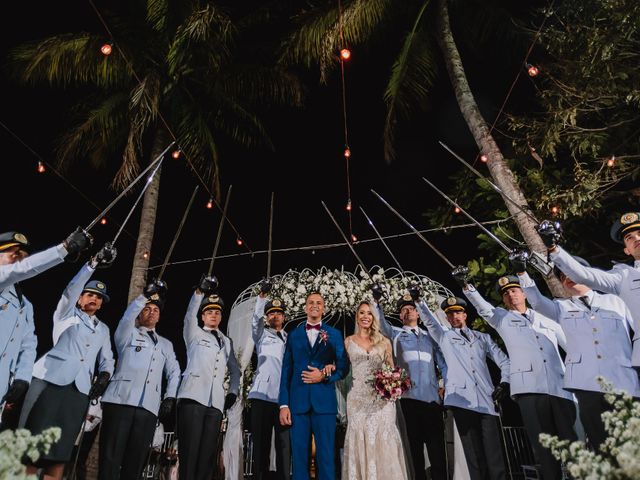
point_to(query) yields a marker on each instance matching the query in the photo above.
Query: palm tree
(172, 61)
(323, 31)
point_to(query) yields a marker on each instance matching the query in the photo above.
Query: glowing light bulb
(532, 70)
(456, 210)
(611, 162)
(103, 221)
(555, 210)
(239, 241)
(347, 153)
(345, 53)
(484, 158)
(145, 255)
(106, 49)
(210, 204)
(354, 238)
(176, 153)
(41, 168)
(349, 205)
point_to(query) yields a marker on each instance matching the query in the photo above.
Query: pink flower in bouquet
(390, 383)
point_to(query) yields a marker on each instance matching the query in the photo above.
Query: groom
(308, 396)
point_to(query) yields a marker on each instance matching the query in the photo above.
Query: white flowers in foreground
(619, 456)
(15, 445)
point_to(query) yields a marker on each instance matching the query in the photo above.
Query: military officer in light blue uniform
(62, 385)
(131, 403)
(537, 371)
(416, 351)
(17, 336)
(201, 396)
(598, 345)
(469, 390)
(622, 280)
(270, 344)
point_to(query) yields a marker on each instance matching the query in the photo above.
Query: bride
(373, 448)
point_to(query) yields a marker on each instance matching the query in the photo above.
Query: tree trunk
(147, 222)
(500, 171)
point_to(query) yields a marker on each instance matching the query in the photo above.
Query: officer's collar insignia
(276, 303)
(406, 297)
(451, 301)
(100, 285)
(628, 218)
(18, 237)
(502, 281)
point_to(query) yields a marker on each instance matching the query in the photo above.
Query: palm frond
(261, 85)
(68, 59)
(157, 14)
(412, 75)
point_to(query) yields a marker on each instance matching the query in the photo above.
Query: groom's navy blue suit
(313, 406)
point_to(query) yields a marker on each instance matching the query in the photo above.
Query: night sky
(306, 167)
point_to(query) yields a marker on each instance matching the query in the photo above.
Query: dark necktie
(415, 331)
(585, 299)
(464, 335)
(279, 333)
(215, 334)
(525, 315)
(152, 334)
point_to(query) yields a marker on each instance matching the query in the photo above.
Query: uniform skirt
(48, 405)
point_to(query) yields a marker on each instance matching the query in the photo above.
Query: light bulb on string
(354, 238)
(106, 49)
(210, 203)
(145, 255)
(41, 168)
(176, 153)
(484, 158)
(555, 209)
(456, 210)
(348, 207)
(103, 221)
(239, 241)
(345, 54)
(532, 70)
(611, 162)
(347, 152)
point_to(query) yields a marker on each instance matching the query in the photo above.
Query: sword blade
(482, 227)
(219, 235)
(177, 235)
(129, 187)
(382, 240)
(270, 237)
(491, 184)
(414, 230)
(344, 236)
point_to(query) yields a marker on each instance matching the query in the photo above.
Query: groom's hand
(285, 416)
(313, 375)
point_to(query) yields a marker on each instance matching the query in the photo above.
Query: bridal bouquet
(390, 383)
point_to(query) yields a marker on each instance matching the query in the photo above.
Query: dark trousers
(126, 434)
(83, 451)
(425, 426)
(198, 433)
(591, 406)
(265, 418)
(480, 435)
(547, 414)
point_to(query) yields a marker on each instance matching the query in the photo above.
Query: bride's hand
(328, 369)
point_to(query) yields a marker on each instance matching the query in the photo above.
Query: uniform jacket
(203, 379)
(536, 365)
(320, 397)
(623, 280)
(270, 350)
(78, 341)
(17, 339)
(137, 380)
(418, 355)
(598, 342)
(468, 382)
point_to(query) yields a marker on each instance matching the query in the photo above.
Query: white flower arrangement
(343, 291)
(14, 445)
(619, 456)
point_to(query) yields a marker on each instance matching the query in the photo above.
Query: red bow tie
(312, 327)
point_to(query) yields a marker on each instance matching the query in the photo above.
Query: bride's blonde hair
(375, 337)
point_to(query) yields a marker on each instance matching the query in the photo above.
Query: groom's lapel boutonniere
(323, 336)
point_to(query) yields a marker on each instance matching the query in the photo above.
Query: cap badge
(502, 281)
(100, 285)
(407, 297)
(214, 298)
(276, 303)
(18, 237)
(451, 301)
(628, 218)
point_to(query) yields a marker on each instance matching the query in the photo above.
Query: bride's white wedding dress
(372, 448)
